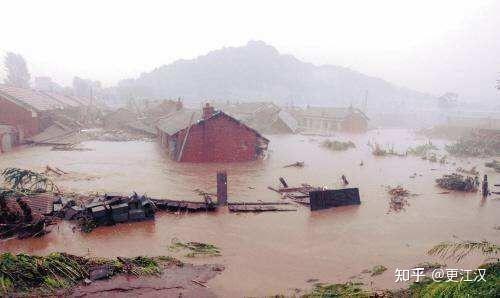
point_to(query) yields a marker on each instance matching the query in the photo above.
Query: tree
(17, 71)
(459, 250)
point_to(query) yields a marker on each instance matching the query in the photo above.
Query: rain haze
(250, 148)
(430, 46)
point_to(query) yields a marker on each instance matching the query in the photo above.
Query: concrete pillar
(221, 188)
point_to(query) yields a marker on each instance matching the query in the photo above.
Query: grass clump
(33, 275)
(379, 269)
(337, 290)
(422, 150)
(337, 145)
(23, 272)
(196, 249)
(458, 182)
(489, 288)
(140, 266)
(377, 150)
(475, 144)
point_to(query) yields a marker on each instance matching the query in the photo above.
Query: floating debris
(337, 145)
(494, 164)
(298, 164)
(399, 198)
(458, 182)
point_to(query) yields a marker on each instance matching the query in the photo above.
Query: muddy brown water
(272, 253)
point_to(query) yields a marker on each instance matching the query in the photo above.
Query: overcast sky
(430, 46)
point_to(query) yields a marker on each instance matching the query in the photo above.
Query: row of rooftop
(222, 131)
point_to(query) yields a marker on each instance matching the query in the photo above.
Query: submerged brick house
(30, 112)
(26, 110)
(211, 136)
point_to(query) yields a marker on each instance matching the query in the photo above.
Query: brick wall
(220, 139)
(19, 117)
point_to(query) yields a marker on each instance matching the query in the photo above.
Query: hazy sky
(430, 46)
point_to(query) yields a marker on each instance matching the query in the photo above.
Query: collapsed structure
(211, 136)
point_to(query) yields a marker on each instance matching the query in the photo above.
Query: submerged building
(209, 136)
(324, 120)
(30, 112)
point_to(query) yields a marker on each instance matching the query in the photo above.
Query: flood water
(274, 252)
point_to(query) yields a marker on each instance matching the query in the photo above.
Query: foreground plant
(459, 250)
(30, 274)
(23, 180)
(338, 290)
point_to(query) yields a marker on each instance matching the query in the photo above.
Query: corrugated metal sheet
(29, 97)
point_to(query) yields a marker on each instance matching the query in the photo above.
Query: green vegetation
(422, 150)
(427, 287)
(475, 144)
(337, 290)
(24, 273)
(489, 288)
(459, 250)
(379, 269)
(196, 249)
(457, 182)
(337, 145)
(377, 150)
(494, 164)
(26, 180)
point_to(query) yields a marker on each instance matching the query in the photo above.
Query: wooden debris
(298, 164)
(399, 198)
(472, 171)
(299, 195)
(199, 283)
(193, 206)
(259, 207)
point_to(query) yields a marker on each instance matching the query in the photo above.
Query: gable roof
(181, 119)
(62, 99)
(29, 98)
